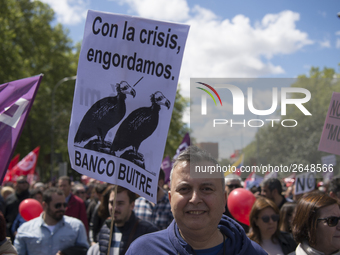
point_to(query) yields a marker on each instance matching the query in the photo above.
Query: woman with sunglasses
(264, 218)
(316, 225)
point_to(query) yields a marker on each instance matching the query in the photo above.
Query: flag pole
(112, 220)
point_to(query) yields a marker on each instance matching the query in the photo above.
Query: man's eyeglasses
(80, 192)
(331, 221)
(274, 217)
(233, 186)
(58, 205)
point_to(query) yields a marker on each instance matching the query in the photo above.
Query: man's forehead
(181, 173)
(56, 196)
(233, 181)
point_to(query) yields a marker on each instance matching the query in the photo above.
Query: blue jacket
(168, 241)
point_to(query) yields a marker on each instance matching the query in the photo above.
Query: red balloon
(30, 209)
(240, 201)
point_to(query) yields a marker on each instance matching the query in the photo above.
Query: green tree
(30, 45)
(299, 145)
(177, 128)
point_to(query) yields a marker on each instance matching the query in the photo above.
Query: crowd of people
(190, 217)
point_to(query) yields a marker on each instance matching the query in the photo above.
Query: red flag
(26, 166)
(16, 99)
(13, 162)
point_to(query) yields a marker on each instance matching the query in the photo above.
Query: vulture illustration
(138, 126)
(104, 114)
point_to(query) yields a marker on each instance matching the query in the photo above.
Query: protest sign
(16, 99)
(304, 183)
(330, 139)
(125, 91)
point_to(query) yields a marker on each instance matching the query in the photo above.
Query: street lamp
(52, 117)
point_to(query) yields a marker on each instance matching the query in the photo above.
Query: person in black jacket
(127, 227)
(13, 201)
(264, 228)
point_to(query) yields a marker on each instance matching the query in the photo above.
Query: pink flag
(16, 99)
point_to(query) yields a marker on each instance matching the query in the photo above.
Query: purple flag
(16, 99)
(166, 166)
(184, 144)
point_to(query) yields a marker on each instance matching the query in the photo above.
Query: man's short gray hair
(193, 154)
(232, 177)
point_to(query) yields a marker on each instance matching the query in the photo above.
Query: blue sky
(233, 39)
(246, 38)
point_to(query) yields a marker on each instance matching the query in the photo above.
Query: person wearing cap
(13, 201)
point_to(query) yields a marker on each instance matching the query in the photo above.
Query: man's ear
(333, 195)
(275, 192)
(225, 198)
(132, 205)
(169, 195)
(44, 205)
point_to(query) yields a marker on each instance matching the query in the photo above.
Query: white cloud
(69, 12)
(338, 43)
(322, 13)
(325, 44)
(216, 47)
(235, 48)
(175, 10)
(337, 32)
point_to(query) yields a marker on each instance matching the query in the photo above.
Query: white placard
(304, 183)
(125, 92)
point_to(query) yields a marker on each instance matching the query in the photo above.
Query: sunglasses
(274, 217)
(233, 186)
(80, 192)
(22, 182)
(58, 205)
(331, 221)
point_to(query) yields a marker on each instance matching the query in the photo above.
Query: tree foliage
(299, 145)
(30, 45)
(177, 128)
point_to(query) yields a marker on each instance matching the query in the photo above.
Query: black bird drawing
(104, 114)
(138, 126)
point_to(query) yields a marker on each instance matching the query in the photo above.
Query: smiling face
(267, 229)
(196, 204)
(328, 238)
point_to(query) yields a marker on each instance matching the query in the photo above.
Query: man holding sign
(197, 205)
(127, 227)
